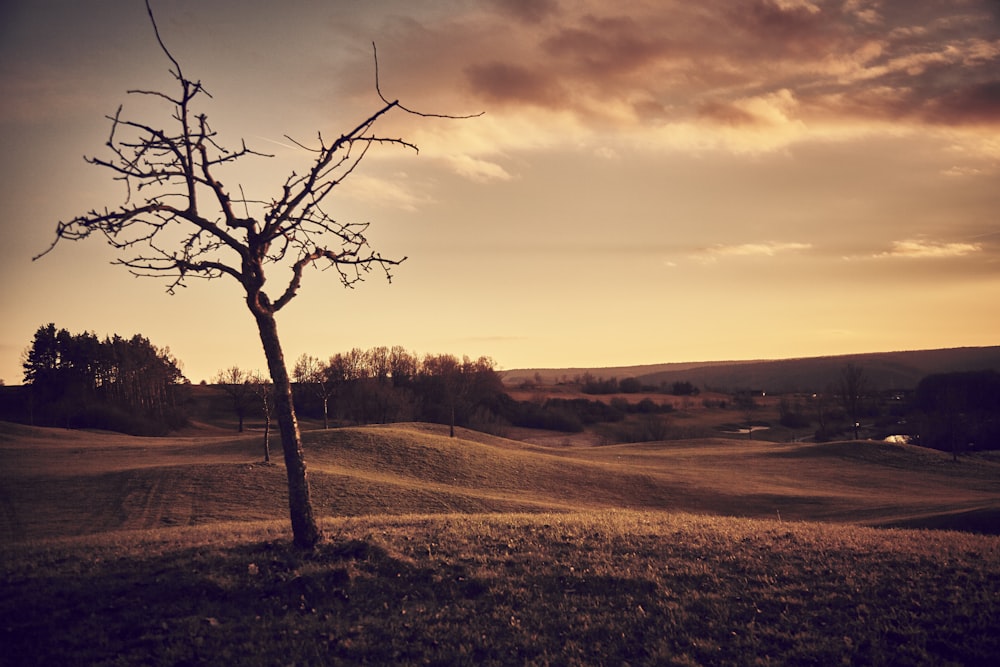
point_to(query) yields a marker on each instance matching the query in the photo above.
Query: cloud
(768, 249)
(477, 170)
(972, 104)
(393, 193)
(962, 171)
(601, 47)
(509, 83)
(528, 11)
(917, 249)
(752, 76)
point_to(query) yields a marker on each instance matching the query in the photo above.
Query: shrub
(684, 388)
(630, 386)
(589, 412)
(647, 428)
(791, 414)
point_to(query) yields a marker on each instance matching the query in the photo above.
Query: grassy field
(482, 550)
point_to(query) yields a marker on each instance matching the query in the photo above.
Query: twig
(378, 89)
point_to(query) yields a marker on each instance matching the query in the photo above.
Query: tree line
(383, 385)
(391, 384)
(115, 383)
(631, 385)
(958, 412)
(130, 385)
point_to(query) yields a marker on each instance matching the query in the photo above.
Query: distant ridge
(885, 370)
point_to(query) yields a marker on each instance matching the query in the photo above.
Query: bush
(104, 416)
(486, 421)
(588, 412)
(528, 414)
(599, 386)
(684, 388)
(647, 428)
(791, 414)
(630, 386)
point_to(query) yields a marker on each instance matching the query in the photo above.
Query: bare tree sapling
(262, 387)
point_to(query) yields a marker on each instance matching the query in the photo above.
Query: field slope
(481, 550)
(57, 483)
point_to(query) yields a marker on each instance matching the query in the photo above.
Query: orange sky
(651, 181)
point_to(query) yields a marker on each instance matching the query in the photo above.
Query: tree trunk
(304, 529)
(267, 438)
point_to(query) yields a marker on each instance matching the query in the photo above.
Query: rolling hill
(488, 551)
(63, 483)
(885, 370)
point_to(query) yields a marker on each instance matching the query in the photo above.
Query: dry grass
(480, 550)
(60, 483)
(583, 588)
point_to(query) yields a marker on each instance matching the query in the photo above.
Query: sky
(648, 182)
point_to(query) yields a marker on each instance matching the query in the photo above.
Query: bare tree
(237, 384)
(820, 402)
(313, 373)
(443, 374)
(188, 224)
(851, 391)
(262, 387)
(744, 401)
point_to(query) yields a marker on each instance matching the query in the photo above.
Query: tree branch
(378, 89)
(337, 261)
(173, 167)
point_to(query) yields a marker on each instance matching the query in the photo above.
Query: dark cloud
(770, 22)
(978, 103)
(605, 46)
(509, 83)
(727, 114)
(528, 11)
(882, 60)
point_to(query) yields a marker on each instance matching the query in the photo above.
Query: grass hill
(484, 550)
(63, 483)
(885, 370)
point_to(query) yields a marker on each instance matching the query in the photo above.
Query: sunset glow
(649, 181)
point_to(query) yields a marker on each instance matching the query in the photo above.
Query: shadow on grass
(500, 591)
(267, 603)
(256, 603)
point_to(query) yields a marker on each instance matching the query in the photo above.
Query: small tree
(851, 391)
(238, 385)
(745, 403)
(191, 225)
(442, 380)
(312, 373)
(262, 388)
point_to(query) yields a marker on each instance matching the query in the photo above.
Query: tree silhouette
(188, 224)
(237, 383)
(262, 388)
(315, 374)
(851, 391)
(117, 383)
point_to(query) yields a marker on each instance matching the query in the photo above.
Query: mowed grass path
(480, 550)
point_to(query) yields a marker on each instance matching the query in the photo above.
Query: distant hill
(885, 370)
